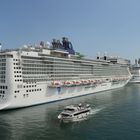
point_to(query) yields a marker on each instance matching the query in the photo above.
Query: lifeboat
(92, 81)
(89, 80)
(74, 82)
(95, 81)
(56, 84)
(77, 82)
(98, 81)
(67, 83)
(85, 82)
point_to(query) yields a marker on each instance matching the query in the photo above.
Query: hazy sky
(93, 26)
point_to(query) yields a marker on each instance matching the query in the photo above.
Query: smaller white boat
(74, 113)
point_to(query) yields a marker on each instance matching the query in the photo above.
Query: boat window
(65, 115)
(69, 109)
(81, 112)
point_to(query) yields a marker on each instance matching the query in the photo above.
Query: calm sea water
(116, 116)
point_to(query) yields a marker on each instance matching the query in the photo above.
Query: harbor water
(115, 116)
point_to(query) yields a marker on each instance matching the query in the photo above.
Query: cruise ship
(135, 71)
(37, 74)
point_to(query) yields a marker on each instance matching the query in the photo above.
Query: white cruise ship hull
(53, 94)
(36, 75)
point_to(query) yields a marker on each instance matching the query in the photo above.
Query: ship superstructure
(45, 73)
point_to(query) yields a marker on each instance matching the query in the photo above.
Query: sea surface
(115, 116)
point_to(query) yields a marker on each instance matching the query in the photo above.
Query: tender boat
(75, 113)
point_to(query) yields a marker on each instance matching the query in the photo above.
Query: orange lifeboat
(89, 80)
(77, 82)
(92, 81)
(67, 83)
(85, 82)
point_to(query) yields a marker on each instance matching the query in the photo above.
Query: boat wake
(96, 110)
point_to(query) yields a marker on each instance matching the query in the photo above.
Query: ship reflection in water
(116, 116)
